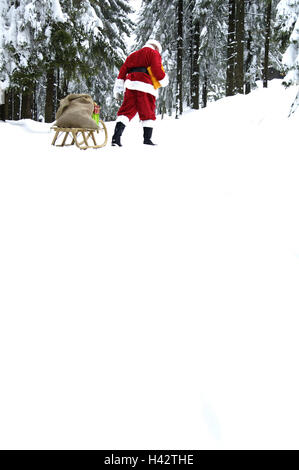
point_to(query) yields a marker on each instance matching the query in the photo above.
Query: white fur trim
(124, 119)
(119, 83)
(150, 46)
(164, 81)
(141, 86)
(156, 44)
(148, 123)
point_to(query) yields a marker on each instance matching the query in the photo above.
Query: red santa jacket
(141, 81)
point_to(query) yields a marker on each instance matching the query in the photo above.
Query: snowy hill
(149, 296)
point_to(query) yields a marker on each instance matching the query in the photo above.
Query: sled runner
(84, 138)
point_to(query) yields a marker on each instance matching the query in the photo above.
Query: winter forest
(211, 49)
(149, 293)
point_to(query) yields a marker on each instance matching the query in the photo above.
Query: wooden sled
(84, 138)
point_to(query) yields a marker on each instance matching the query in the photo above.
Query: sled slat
(87, 137)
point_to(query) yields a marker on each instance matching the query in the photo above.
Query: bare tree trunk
(61, 88)
(231, 42)
(16, 104)
(34, 104)
(50, 96)
(195, 70)
(248, 63)
(205, 91)
(27, 105)
(179, 91)
(2, 112)
(190, 49)
(239, 72)
(267, 43)
(8, 104)
(295, 104)
(65, 87)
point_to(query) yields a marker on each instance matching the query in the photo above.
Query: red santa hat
(154, 44)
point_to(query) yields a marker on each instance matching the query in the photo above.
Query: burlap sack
(76, 111)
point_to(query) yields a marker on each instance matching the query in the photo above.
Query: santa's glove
(164, 81)
(118, 89)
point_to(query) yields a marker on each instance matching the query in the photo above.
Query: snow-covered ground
(149, 295)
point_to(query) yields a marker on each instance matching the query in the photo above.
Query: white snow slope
(149, 295)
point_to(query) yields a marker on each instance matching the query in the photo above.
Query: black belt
(138, 69)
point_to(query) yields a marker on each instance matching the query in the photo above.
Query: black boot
(119, 129)
(147, 135)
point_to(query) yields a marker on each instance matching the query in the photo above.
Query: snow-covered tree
(288, 23)
(159, 20)
(50, 48)
(254, 42)
(3, 29)
(27, 35)
(106, 25)
(211, 17)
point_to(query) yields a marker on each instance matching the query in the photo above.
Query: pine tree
(98, 32)
(212, 53)
(53, 47)
(287, 21)
(251, 48)
(50, 48)
(267, 42)
(3, 31)
(179, 78)
(159, 20)
(106, 51)
(20, 58)
(253, 43)
(27, 32)
(231, 48)
(240, 37)
(194, 40)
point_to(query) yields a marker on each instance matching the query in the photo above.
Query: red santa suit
(140, 93)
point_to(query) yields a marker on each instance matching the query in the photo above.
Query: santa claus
(139, 77)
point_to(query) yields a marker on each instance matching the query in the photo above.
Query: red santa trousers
(137, 102)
